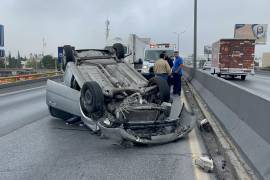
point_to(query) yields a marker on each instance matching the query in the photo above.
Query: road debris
(205, 163)
(205, 125)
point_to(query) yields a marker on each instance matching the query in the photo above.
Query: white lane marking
(21, 91)
(196, 151)
(194, 145)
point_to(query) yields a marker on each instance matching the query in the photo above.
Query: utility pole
(107, 23)
(43, 46)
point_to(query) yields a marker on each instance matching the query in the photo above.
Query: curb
(239, 166)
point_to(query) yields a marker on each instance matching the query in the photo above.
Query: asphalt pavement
(35, 145)
(259, 83)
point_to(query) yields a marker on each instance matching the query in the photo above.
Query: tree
(13, 62)
(48, 62)
(2, 63)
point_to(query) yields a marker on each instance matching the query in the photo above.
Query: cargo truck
(141, 52)
(134, 48)
(233, 57)
(137, 47)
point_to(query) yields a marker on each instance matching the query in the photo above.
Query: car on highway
(207, 65)
(112, 98)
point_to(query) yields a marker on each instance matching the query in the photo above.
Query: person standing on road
(170, 62)
(177, 73)
(162, 68)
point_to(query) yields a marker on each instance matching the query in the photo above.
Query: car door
(62, 97)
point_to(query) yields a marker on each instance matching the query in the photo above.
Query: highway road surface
(35, 145)
(258, 83)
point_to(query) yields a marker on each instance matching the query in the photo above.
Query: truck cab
(152, 53)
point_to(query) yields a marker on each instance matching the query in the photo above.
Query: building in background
(266, 60)
(2, 42)
(208, 52)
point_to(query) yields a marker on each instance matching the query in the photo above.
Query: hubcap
(88, 97)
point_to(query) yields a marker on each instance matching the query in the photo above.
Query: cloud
(82, 22)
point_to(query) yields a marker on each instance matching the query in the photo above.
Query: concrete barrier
(20, 83)
(244, 115)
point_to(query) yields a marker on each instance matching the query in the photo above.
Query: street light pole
(195, 38)
(178, 39)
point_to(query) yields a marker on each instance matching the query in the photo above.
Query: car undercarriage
(110, 96)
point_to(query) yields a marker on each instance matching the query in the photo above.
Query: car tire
(119, 50)
(243, 77)
(214, 72)
(163, 88)
(92, 99)
(59, 113)
(218, 74)
(68, 56)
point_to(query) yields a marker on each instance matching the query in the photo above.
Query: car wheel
(92, 99)
(218, 74)
(163, 88)
(243, 77)
(119, 50)
(59, 113)
(68, 56)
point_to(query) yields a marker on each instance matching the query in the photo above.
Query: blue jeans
(163, 76)
(176, 83)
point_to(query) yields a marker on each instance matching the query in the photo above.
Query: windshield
(154, 54)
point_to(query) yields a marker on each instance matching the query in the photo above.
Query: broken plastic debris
(107, 121)
(205, 163)
(205, 125)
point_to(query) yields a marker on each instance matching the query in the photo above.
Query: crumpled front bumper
(187, 123)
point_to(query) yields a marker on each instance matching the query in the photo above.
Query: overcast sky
(82, 22)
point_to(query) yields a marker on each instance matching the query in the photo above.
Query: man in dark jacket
(170, 62)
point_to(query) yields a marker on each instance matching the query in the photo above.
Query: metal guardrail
(18, 78)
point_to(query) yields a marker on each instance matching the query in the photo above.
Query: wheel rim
(88, 98)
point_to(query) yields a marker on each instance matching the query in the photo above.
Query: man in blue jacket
(177, 71)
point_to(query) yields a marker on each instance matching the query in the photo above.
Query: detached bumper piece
(151, 132)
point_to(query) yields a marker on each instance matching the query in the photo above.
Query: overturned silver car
(110, 96)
